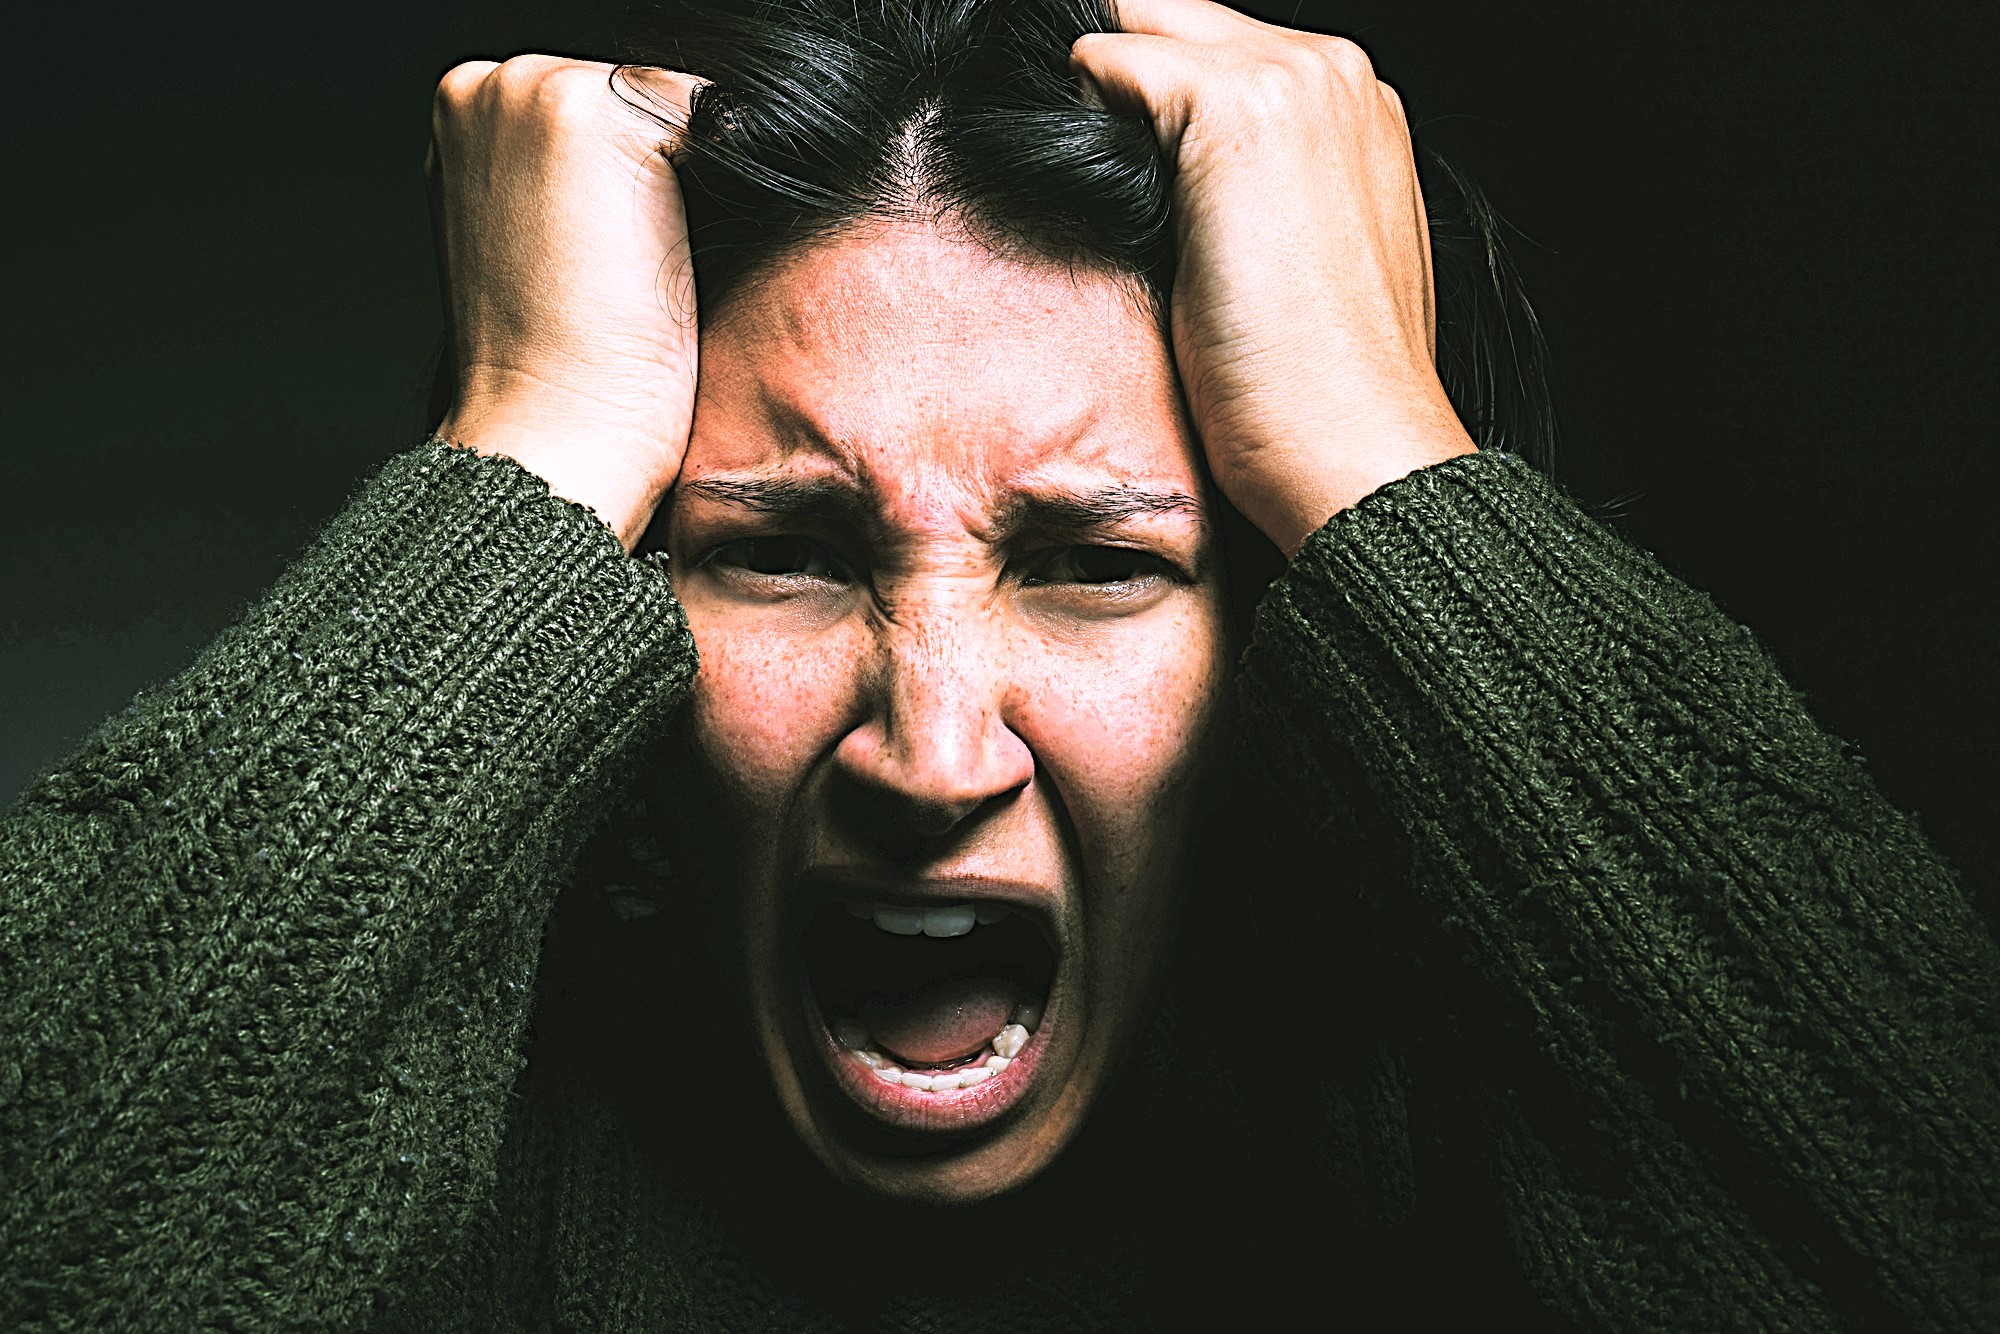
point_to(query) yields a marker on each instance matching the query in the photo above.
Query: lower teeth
(1005, 1046)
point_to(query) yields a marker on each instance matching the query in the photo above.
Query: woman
(1589, 979)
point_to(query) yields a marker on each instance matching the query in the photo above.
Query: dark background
(1760, 240)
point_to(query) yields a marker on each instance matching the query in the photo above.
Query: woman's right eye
(781, 557)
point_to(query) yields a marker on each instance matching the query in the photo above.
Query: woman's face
(944, 538)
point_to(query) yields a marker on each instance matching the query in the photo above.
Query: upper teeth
(954, 920)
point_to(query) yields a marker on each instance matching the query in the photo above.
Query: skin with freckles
(943, 536)
(941, 519)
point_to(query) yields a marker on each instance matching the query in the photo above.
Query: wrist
(614, 470)
(1297, 489)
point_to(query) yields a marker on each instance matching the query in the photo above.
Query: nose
(936, 747)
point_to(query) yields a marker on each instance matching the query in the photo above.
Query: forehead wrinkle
(868, 433)
(796, 431)
(901, 485)
(833, 394)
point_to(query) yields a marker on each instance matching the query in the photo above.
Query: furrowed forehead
(905, 339)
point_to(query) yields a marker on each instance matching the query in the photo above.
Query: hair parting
(822, 114)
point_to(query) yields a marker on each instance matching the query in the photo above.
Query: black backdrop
(1760, 239)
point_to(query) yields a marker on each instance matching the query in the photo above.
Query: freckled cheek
(1121, 724)
(1119, 719)
(768, 705)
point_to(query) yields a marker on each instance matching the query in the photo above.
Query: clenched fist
(1302, 302)
(567, 283)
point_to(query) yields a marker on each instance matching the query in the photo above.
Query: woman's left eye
(1095, 565)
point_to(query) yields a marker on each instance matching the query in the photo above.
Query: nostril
(913, 780)
(903, 823)
(935, 819)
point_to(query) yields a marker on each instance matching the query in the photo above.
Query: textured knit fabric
(270, 940)
(1761, 1015)
(1633, 991)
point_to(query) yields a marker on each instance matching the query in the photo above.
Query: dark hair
(821, 113)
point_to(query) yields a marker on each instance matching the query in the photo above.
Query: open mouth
(933, 1015)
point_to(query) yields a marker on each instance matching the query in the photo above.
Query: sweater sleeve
(1765, 1017)
(269, 939)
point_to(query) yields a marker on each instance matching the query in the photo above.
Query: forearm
(269, 938)
(1604, 789)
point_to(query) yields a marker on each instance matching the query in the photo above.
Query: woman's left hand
(1303, 318)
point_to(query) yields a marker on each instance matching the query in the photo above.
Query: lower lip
(952, 1111)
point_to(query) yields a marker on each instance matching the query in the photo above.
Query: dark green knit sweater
(1627, 976)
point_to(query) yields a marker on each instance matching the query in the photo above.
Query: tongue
(942, 1021)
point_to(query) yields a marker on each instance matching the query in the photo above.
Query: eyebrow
(1096, 507)
(1099, 507)
(773, 495)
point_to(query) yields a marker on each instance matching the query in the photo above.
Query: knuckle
(567, 90)
(1270, 89)
(518, 75)
(1395, 101)
(460, 82)
(1347, 61)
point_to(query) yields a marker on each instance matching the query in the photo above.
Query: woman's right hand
(562, 245)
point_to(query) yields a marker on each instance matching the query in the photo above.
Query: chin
(931, 1041)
